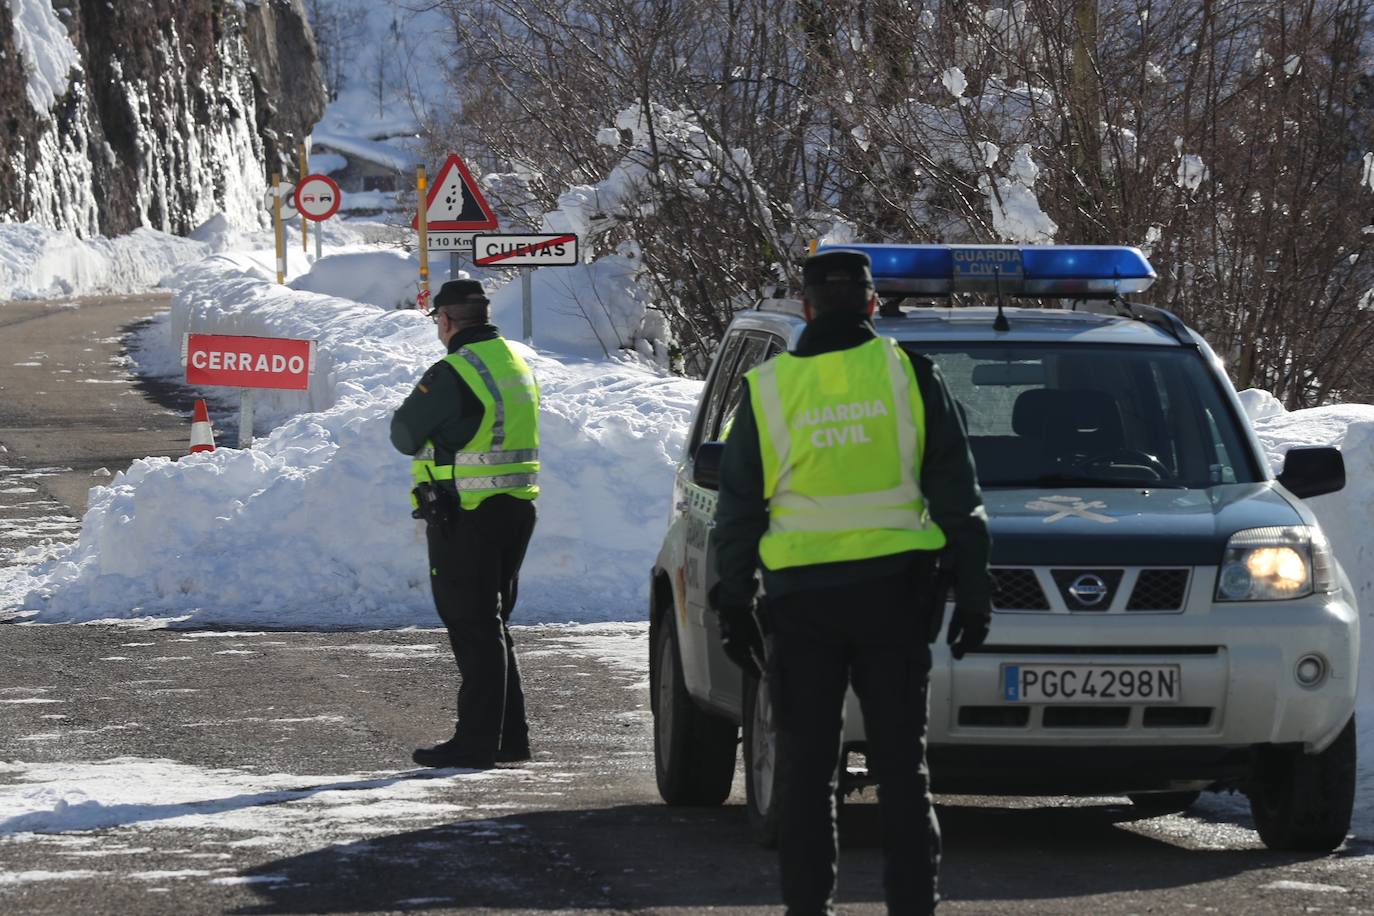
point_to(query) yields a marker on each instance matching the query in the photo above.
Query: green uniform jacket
(442, 408)
(948, 483)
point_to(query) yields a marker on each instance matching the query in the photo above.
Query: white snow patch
(1260, 404)
(1191, 172)
(1308, 886)
(623, 647)
(47, 51)
(24, 877)
(60, 798)
(955, 81)
(389, 279)
(38, 263)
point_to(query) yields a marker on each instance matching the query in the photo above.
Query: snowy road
(71, 412)
(163, 771)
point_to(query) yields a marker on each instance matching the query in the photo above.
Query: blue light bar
(1048, 271)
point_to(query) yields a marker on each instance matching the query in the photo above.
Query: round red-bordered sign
(317, 197)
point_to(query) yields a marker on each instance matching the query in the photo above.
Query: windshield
(1043, 414)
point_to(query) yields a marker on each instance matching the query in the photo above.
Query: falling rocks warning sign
(455, 203)
(248, 362)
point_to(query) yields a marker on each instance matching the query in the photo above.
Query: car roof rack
(778, 303)
(1163, 319)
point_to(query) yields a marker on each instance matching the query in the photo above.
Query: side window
(715, 394)
(1222, 471)
(753, 352)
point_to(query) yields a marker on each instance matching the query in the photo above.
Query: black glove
(967, 631)
(740, 634)
(741, 637)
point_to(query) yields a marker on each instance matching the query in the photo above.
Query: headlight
(1272, 564)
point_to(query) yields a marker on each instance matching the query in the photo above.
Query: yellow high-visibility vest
(841, 436)
(503, 455)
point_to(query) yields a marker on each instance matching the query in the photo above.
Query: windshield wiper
(1078, 480)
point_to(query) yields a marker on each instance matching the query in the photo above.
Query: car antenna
(1000, 323)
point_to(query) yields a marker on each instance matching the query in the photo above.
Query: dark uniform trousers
(873, 635)
(474, 573)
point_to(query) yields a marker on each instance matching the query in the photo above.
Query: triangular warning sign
(455, 203)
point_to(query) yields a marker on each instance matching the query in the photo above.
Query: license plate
(1091, 683)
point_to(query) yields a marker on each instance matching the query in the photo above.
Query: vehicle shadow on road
(650, 856)
(1033, 853)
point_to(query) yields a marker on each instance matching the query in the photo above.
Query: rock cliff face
(180, 109)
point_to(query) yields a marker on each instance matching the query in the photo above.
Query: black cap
(839, 266)
(461, 292)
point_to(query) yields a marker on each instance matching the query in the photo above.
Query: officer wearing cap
(472, 425)
(846, 473)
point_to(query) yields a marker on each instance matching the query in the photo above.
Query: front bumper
(1239, 691)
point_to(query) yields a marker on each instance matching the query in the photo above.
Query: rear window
(1074, 415)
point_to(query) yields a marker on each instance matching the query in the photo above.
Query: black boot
(451, 754)
(514, 752)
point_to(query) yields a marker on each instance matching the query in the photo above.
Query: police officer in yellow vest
(846, 471)
(472, 426)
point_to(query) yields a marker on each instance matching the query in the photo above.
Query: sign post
(526, 306)
(248, 363)
(280, 233)
(525, 252)
(422, 224)
(451, 212)
(305, 227)
(246, 415)
(317, 198)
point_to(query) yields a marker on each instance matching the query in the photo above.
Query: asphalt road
(72, 413)
(269, 773)
(166, 771)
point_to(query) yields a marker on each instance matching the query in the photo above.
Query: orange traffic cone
(202, 435)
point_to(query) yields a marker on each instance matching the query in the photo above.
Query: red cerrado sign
(248, 362)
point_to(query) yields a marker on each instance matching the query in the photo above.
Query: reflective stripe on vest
(841, 436)
(503, 455)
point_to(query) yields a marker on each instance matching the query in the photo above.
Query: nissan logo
(1089, 590)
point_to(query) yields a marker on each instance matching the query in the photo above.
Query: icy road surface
(165, 771)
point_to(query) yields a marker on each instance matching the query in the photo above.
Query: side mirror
(1309, 472)
(706, 465)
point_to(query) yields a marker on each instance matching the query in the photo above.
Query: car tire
(694, 750)
(1158, 804)
(1302, 802)
(762, 775)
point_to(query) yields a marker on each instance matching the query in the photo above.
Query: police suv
(1168, 616)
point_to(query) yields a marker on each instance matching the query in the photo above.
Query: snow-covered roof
(387, 154)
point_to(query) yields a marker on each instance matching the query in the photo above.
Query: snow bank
(312, 526)
(39, 263)
(388, 279)
(1348, 519)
